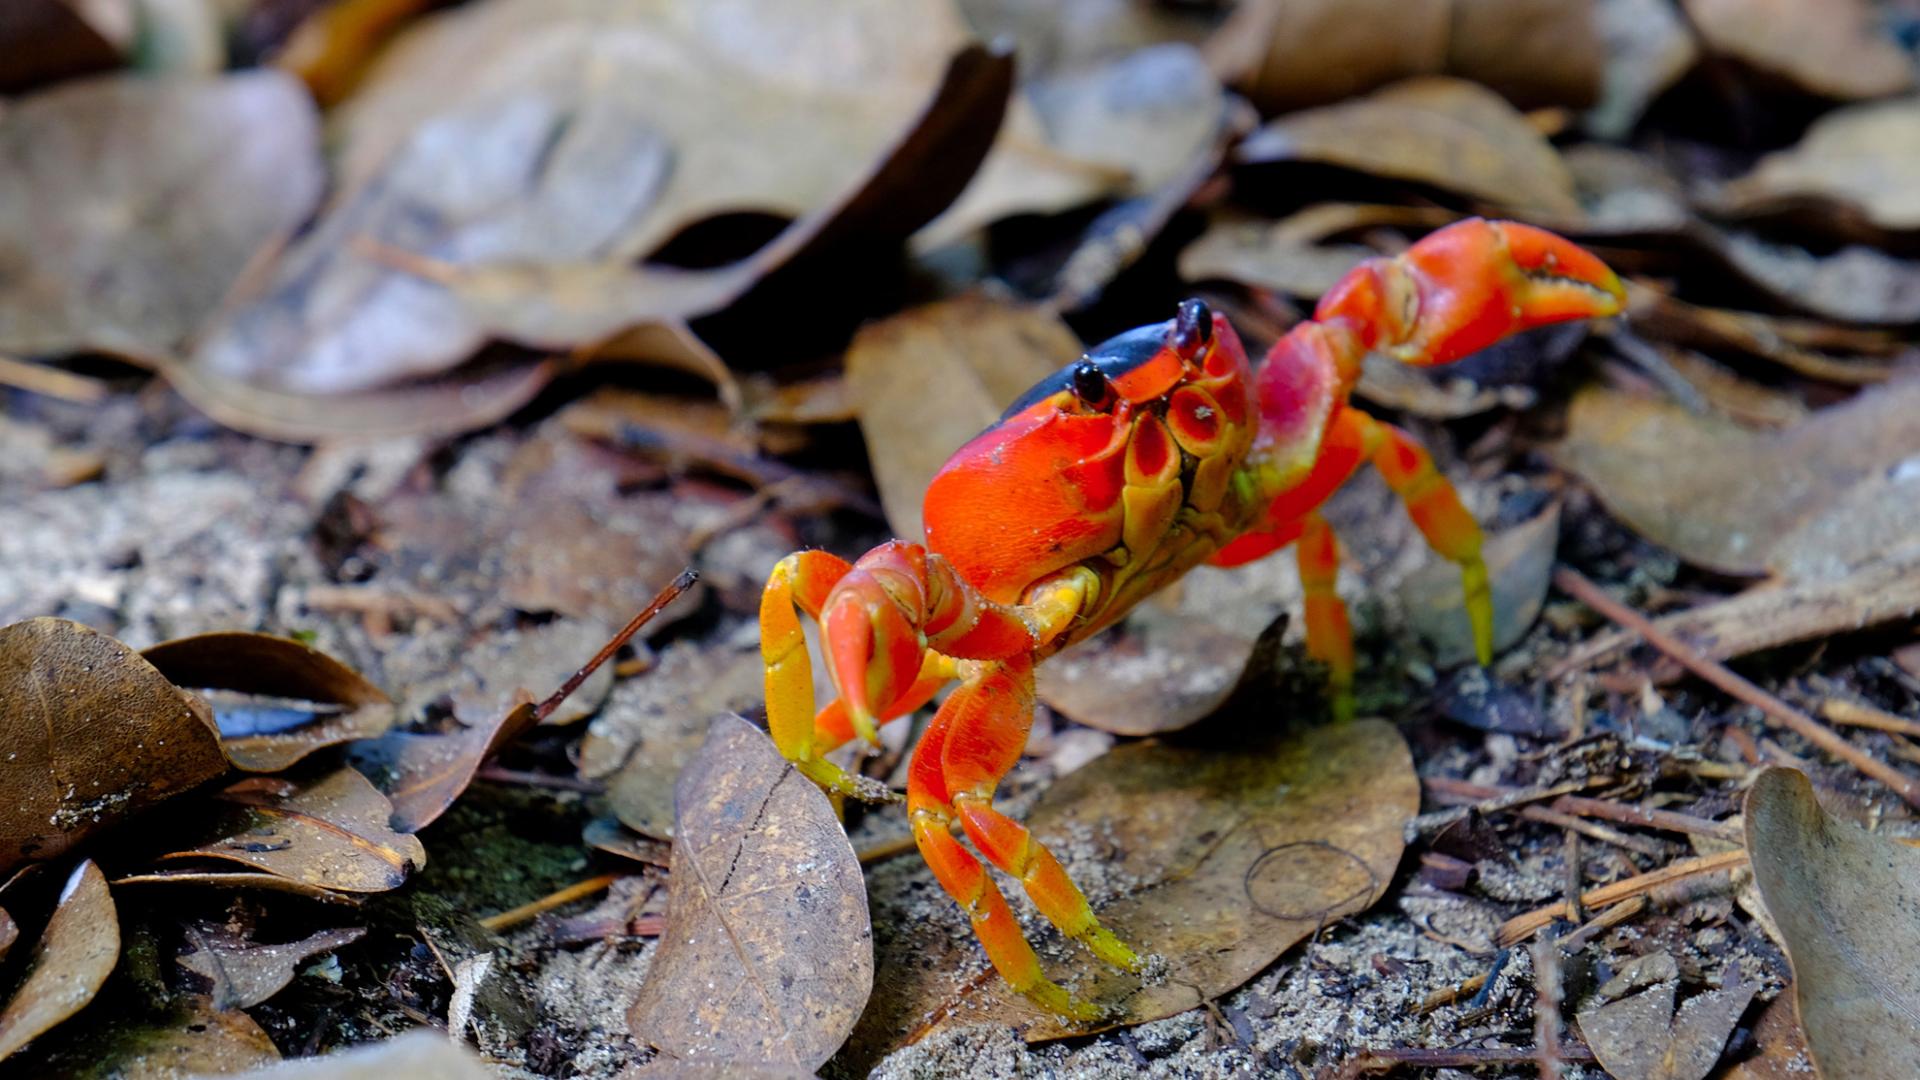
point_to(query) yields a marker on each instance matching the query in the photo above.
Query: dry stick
(1646, 817)
(1854, 714)
(1521, 927)
(1440, 819)
(52, 382)
(1574, 584)
(568, 895)
(1560, 819)
(1601, 923)
(887, 849)
(1547, 992)
(667, 596)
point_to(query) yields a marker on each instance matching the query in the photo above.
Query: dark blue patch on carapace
(1114, 357)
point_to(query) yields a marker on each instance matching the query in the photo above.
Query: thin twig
(1521, 927)
(1465, 1057)
(1854, 714)
(568, 895)
(1646, 817)
(1575, 826)
(51, 381)
(666, 596)
(552, 781)
(1574, 584)
(1440, 819)
(1601, 923)
(887, 849)
(1547, 990)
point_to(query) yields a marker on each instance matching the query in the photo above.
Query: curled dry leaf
(1647, 48)
(1736, 500)
(133, 204)
(1843, 900)
(932, 377)
(1642, 1037)
(656, 724)
(1829, 47)
(1286, 54)
(1295, 255)
(1451, 134)
(1177, 657)
(1218, 858)
(1854, 284)
(329, 832)
(274, 699)
(608, 835)
(1520, 563)
(1860, 156)
(244, 974)
(1122, 126)
(423, 773)
(499, 136)
(142, 1037)
(70, 963)
(767, 957)
(93, 735)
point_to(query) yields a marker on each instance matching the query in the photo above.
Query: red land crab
(1157, 451)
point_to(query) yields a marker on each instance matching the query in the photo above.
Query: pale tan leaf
(70, 962)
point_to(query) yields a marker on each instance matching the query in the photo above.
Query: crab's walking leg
(1329, 633)
(1434, 505)
(974, 739)
(802, 579)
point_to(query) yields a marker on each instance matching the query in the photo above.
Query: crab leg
(976, 737)
(1434, 505)
(1329, 634)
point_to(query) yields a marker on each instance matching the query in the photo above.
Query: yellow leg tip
(838, 781)
(1054, 998)
(1340, 702)
(1102, 943)
(1479, 604)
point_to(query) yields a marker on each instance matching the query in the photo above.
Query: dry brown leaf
(1218, 858)
(1177, 657)
(1780, 1047)
(1880, 591)
(43, 41)
(1732, 499)
(1854, 284)
(1799, 345)
(1642, 1038)
(147, 1038)
(475, 397)
(274, 699)
(1448, 133)
(1294, 255)
(134, 203)
(329, 831)
(930, 378)
(94, 735)
(525, 136)
(1648, 48)
(222, 881)
(657, 723)
(244, 974)
(1861, 157)
(72, 959)
(417, 1055)
(1844, 900)
(1120, 127)
(1520, 562)
(423, 773)
(608, 835)
(767, 957)
(1829, 47)
(1287, 54)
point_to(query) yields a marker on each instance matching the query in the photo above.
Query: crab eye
(1090, 383)
(1192, 328)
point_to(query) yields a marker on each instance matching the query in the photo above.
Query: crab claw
(1467, 286)
(871, 625)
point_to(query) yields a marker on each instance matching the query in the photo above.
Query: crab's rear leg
(1329, 632)
(976, 737)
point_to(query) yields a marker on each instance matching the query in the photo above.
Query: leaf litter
(1352, 995)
